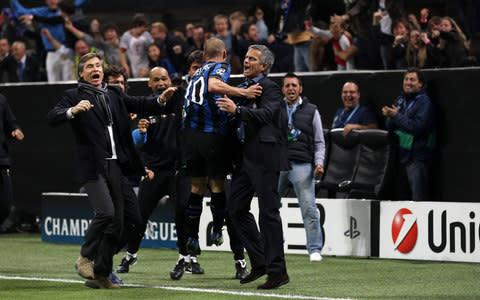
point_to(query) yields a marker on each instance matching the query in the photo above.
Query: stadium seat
(343, 155)
(373, 167)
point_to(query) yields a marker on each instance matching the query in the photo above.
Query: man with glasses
(353, 115)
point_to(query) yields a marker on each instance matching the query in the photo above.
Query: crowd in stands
(45, 43)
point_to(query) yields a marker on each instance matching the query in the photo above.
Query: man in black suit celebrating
(262, 130)
(99, 117)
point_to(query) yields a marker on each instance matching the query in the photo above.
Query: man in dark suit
(106, 153)
(19, 66)
(263, 132)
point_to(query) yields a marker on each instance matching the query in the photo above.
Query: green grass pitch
(25, 257)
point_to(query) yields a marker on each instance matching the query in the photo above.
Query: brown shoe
(84, 267)
(101, 282)
(274, 281)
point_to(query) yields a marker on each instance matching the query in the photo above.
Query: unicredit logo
(404, 230)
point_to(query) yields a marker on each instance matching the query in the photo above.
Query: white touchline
(178, 288)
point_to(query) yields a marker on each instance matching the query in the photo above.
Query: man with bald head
(206, 139)
(157, 138)
(353, 115)
(19, 66)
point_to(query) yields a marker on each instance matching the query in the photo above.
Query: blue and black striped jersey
(202, 113)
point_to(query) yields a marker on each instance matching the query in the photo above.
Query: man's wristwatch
(237, 111)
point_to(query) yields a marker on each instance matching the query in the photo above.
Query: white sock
(186, 258)
(129, 255)
(242, 262)
(193, 259)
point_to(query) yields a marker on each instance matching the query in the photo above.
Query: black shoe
(194, 268)
(241, 267)
(125, 265)
(193, 248)
(254, 275)
(274, 281)
(177, 271)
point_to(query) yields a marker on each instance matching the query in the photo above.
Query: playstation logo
(352, 232)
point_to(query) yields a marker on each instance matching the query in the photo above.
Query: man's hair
(292, 75)
(139, 20)
(218, 17)
(213, 48)
(245, 27)
(195, 56)
(110, 26)
(197, 26)
(237, 15)
(115, 71)
(266, 56)
(420, 74)
(67, 6)
(87, 57)
(161, 26)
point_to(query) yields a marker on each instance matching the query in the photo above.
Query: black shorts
(207, 154)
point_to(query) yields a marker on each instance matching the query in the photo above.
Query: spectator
(306, 153)
(237, 19)
(134, 43)
(353, 115)
(341, 44)
(197, 39)
(412, 118)
(172, 47)
(4, 52)
(19, 66)
(109, 45)
(248, 36)
(290, 21)
(57, 68)
(261, 26)
(4, 48)
(385, 12)
(74, 15)
(399, 46)
(358, 14)
(81, 48)
(222, 33)
(453, 44)
(189, 27)
(420, 51)
(155, 60)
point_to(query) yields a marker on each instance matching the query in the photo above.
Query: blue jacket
(55, 29)
(415, 118)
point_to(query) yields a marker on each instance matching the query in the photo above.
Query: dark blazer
(266, 129)
(91, 134)
(9, 66)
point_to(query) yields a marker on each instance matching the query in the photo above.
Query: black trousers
(264, 247)
(163, 183)
(6, 194)
(110, 196)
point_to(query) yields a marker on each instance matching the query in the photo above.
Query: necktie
(20, 71)
(241, 124)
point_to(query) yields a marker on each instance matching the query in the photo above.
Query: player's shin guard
(193, 212)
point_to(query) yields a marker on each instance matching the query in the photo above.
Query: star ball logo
(404, 230)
